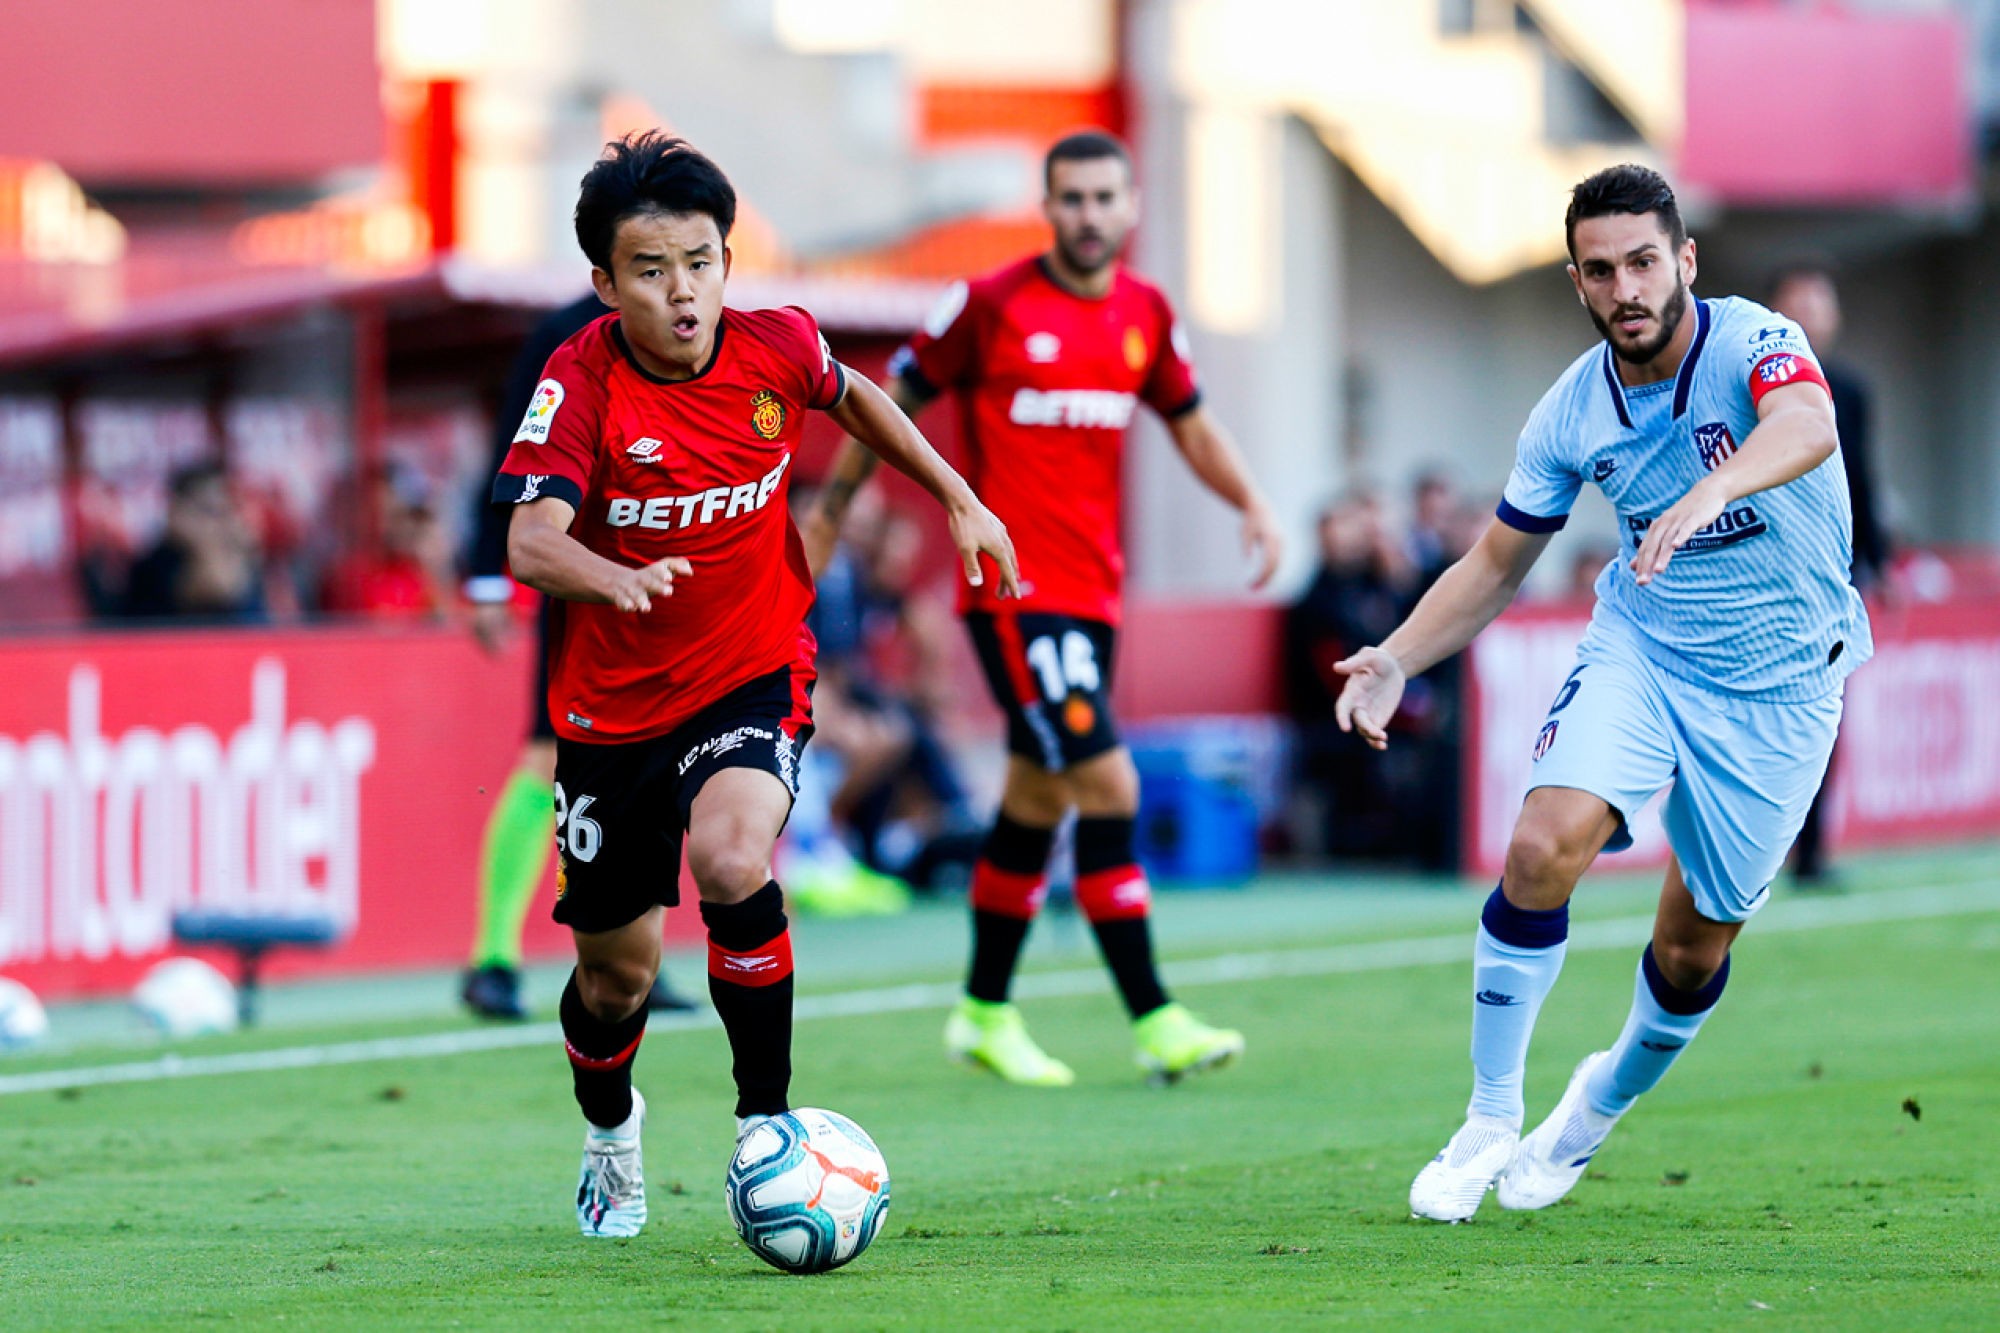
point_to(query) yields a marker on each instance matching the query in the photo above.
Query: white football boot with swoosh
(1553, 1158)
(1450, 1188)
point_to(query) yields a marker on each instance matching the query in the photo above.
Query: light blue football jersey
(1759, 602)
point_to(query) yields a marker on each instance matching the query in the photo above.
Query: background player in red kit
(649, 480)
(1049, 357)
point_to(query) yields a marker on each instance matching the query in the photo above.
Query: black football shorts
(1052, 676)
(622, 809)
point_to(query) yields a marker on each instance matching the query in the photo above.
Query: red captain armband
(1779, 369)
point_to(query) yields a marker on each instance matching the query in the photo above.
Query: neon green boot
(1173, 1043)
(993, 1035)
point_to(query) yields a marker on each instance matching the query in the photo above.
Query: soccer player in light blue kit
(1714, 662)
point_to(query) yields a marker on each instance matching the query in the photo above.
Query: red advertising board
(1919, 753)
(340, 771)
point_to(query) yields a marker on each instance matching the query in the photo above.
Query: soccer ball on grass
(23, 1021)
(807, 1190)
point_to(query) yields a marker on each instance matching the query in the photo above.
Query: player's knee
(729, 864)
(613, 989)
(1689, 965)
(1040, 799)
(1107, 786)
(1542, 858)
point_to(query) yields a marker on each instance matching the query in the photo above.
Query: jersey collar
(1049, 275)
(625, 350)
(1683, 378)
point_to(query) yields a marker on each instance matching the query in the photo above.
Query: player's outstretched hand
(1701, 506)
(635, 589)
(1374, 688)
(974, 531)
(1262, 541)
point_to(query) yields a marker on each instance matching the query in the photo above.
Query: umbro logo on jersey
(646, 450)
(1601, 470)
(1498, 999)
(1043, 348)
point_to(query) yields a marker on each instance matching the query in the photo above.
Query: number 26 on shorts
(579, 837)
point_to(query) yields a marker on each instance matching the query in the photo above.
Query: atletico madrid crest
(767, 414)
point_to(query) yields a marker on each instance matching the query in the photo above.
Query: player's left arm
(853, 464)
(874, 421)
(1215, 460)
(1794, 434)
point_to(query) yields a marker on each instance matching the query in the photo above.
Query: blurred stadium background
(302, 238)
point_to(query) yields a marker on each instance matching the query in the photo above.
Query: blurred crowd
(1401, 804)
(883, 804)
(222, 558)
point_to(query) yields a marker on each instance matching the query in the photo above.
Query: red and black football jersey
(1047, 381)
(697, 468)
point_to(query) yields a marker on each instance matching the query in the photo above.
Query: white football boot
(611, 1194)
(1450, 1187)
(1552, 1159)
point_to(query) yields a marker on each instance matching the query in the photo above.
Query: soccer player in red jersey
(648, 480)
(1049, 356)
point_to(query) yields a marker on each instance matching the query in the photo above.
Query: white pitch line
(1792, 916)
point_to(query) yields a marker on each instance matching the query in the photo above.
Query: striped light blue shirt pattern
(1759, 603)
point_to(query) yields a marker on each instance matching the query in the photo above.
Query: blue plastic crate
(1194, 829)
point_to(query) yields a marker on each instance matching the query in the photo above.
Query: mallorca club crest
(767, 414)
(1716, 444)
(1135, 350)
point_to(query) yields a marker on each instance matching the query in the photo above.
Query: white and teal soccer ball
(807, 1190)
(185, 997)
(23, 1021)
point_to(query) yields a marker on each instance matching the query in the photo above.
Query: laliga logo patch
(1135, 350)
(767, 414)
(541, 415)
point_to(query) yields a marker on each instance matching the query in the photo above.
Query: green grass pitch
(1824, 1157)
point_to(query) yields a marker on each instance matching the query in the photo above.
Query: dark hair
(191, 477)
(1083, 146)
(649, 172)
(1624, 189)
